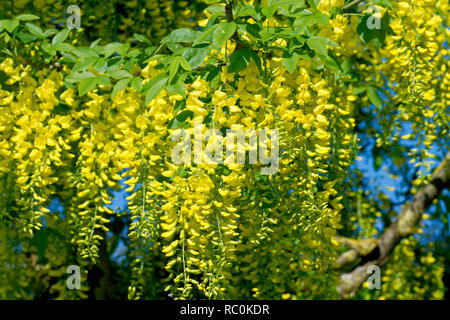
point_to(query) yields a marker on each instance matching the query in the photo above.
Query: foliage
(81, 120)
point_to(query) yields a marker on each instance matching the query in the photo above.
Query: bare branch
(404, 226)
(358, 248)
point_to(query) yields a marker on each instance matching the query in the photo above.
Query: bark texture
(376, 251)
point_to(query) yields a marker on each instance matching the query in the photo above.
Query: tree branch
(235, 36)
(399, 229)
(357, 249)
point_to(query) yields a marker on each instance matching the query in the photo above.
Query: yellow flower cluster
(212, 230)
(211, 225)
(219, 224)
(421, 282)
(415, 69)
(111, 20)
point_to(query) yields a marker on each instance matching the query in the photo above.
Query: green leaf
(40, 240)
(239, 60)
(63, 46)
(174, 46)
(136, 83)
(68, 58)
(179, 105)
(313, 5)
(330, 62)
(318, 45)
(50, 32)
(346, 65)
(269, 11)
(180, 119)
(9, 25)
(297, 42)
(302, 21)
(374, 97)
(104, 80)
(120, 85)
(377, 158)
(319, 18)
(245, 10)
(149, 50)
(183, 172)
(94, 44)
(156, 86)
(213, 20)
(307, 19)
(128, 65)
(184, 64)
(27, 17)
(84, 52)
(206, 35)
(173, 68)
(254, 29)
(34, 29)
(119, 74)
(255, 57)
(196, 55)
(286, 3)
(112, 48)
(26, 37)
(84, 64)
(141, 38)
(177, 88)
(182, 35)
(383, 3)
(100, 65)
(267, 34)
(46, 47)
(62, 108)
(60, 37)
(212, 75)
(359, 90)
(223, 32)
(77, 77)
(291, 8)
(215, 9)
(290, 63)
(134, 53)
(87, 85)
